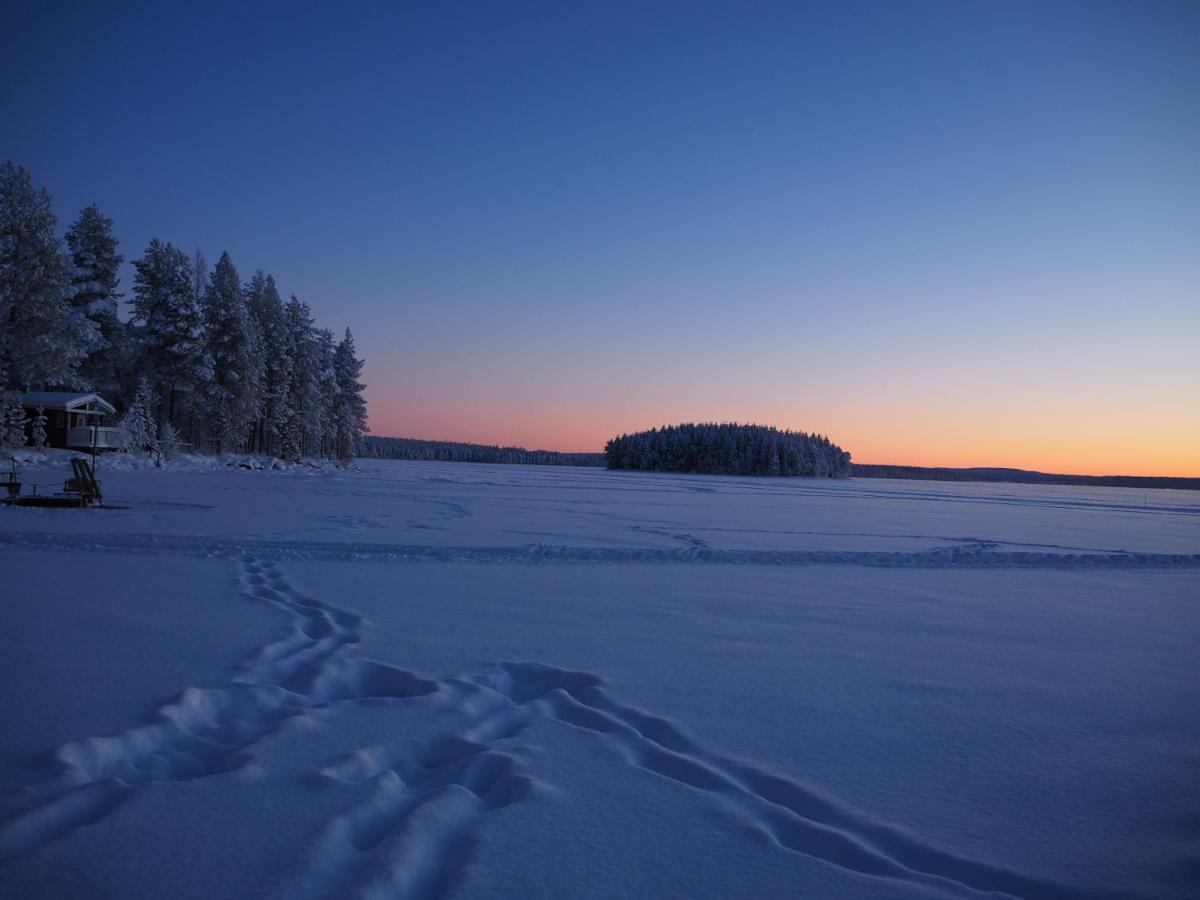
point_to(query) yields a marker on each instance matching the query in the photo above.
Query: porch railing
(103, 437)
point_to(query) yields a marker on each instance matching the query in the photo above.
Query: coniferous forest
(375, 447)
(205, 359)
(728, 449)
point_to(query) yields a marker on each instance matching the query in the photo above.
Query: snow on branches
(204, 360)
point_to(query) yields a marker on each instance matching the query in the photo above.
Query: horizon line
(853, 461)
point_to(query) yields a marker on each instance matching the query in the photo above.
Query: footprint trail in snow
(207, 731)
(425, 799)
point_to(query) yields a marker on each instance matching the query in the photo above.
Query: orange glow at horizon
(1057, 444)
(1094, 389)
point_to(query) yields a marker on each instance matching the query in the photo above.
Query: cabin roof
(68, 400)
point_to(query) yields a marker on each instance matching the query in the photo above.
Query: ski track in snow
(965, 553)
(426, 799)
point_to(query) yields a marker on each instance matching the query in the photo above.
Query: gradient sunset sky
(940, 233)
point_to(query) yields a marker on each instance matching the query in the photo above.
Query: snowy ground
(428, 678)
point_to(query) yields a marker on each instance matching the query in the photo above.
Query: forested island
(205, 360)
(728, 449)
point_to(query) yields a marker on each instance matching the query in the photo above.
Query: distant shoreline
(1020, 476)
(382, 447)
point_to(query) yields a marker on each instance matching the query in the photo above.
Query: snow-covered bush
(14, 422)
(169, 443)
(37, 433)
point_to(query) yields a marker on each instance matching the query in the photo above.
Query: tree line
(728, 449)
(205, 359)
(1021, 476)
(374, 447)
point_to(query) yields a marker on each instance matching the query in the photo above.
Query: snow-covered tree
(222, 364)
(37, 430)
(171, 332)
(350, 415)
(95, 261)
(302, 425)
(94, 281)
(43, 338)
(266, 310)
(231, 393)
(199, 273)
(328, 387)
(138, 424)
(14, 422)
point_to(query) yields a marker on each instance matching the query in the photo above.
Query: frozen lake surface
(439, 679)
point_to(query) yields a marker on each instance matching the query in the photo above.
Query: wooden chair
(11, 483)
(84, 485)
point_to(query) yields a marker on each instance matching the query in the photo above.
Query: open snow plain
(425, 679)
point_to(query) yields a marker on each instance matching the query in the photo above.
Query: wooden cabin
(74, 420)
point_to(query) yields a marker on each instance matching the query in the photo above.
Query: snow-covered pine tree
(192, 421)
(328, 388)
(170, 332)
(351, 414)
(266, 309)
(95, 261)
(14, 421)
(43, 338)
(252, 292)
(302, 425)
(37, 430)
(94, 280)
(231, 394)
(199, 273)
(278, 375)
(255, 378)
(137, 425)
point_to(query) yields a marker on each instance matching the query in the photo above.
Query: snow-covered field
(420, 679)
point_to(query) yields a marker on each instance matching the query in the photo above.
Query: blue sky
(957, 233)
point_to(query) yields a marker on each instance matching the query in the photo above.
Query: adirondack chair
(84, 485)
(11, 483)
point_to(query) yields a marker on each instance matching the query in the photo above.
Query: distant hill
(1022, 476)
(375, 447)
